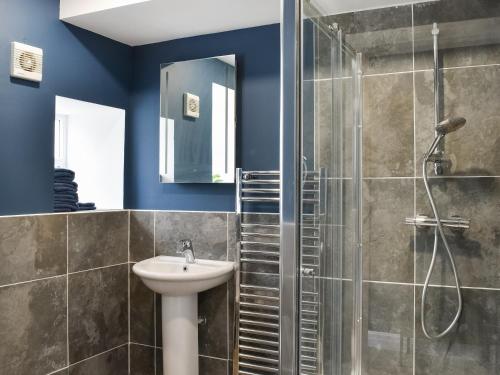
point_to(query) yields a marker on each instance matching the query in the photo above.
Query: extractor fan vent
(27, 62)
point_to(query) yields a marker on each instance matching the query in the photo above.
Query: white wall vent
(26, 62)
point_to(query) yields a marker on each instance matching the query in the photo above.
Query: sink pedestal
(180, 334)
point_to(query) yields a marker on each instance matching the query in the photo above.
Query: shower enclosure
(363, 97)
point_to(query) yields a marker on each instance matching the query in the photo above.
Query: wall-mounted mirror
(198, 121)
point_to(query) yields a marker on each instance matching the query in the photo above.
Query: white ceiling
(138, 22)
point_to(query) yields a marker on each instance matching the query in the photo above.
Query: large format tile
(212, 305)
(32, 247)
(142, 360)
(475, 249)
(473, 347)
(469, 32)
(98, 311)
(388, 126)
(97, 239)
(141, 235)
(207, 230)
(334, 119)
(471, 93)
(388, 315)
(387, 241)
(33, 327)
(232, 232)
(114, 362)
(142, 312)
(212, 366)
(384, 36)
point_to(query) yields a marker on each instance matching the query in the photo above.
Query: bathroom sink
(179, 283)
(174, 277)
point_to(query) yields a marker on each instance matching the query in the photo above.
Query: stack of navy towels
(66, 192)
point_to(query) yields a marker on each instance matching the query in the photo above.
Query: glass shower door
(330, 294)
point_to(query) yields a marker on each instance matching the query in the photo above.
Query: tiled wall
(64, 294)
(68, 306)
(398, 128)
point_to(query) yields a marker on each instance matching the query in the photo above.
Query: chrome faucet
(185, 247)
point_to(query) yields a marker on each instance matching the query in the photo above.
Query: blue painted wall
(258, 73)
(77, 64)
(85, 66)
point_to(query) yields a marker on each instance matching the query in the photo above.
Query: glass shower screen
(329, 287)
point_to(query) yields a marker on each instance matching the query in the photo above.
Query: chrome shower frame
(290, 206)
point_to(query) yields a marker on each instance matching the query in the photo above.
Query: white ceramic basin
(179, 284)
(174, 277)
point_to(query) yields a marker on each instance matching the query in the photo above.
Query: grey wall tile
(454, 10)
(114, 362)
(212, 305)
(475, 249)
(232, 230)
(384, 36)
(32, 247)
(142, 360)
(142, 312)
(208, 230)
(388, 126)
(471, 93)
(473, 347)
(98, 311)
(458, 21)
(33, 327)
(212, 366)
(387, 241)
(389, 329)
(141, 235)
(97, 239)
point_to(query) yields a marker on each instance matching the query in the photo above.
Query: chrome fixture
(450, 125)
(256, 348)
(423, 221)
(438, 160)
(185, 247)
(442, 129)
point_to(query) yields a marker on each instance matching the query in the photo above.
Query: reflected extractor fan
(26, 62)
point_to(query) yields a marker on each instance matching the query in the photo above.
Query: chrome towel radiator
(257, 312)
(257, 315)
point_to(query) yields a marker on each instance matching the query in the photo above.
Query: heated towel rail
(257, 311)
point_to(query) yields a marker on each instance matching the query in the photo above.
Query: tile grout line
(98, 268)
(414, 189)
(145, 345)
(128, 280)
(67, 289)
(33, 280)
(227, 290)
(154, 298)
(208, 356)
(87, 359)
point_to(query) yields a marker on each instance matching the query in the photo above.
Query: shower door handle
(307, 272)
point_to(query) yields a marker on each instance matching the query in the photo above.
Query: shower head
(450, 125)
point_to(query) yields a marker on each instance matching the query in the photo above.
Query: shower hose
(438, 231)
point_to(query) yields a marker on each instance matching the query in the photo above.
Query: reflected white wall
(95, 150)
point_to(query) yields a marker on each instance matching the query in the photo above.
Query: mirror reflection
(197, 121)
(88, 156)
